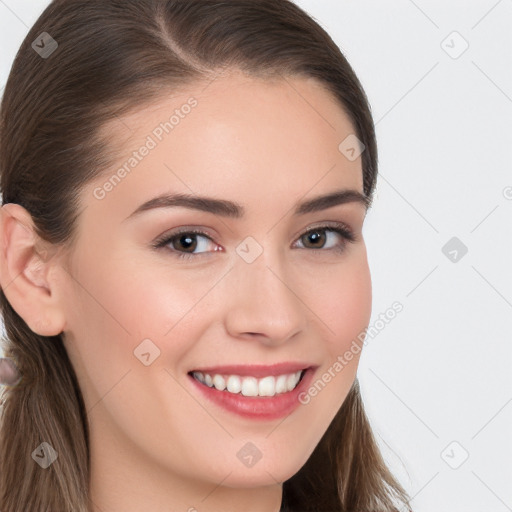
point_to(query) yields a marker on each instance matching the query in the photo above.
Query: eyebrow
(235, 210)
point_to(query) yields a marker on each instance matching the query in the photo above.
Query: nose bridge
(262, 300)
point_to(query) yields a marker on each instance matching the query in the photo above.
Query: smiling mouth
(269, 385)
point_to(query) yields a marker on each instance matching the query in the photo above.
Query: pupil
(315, 237)
(189, 242)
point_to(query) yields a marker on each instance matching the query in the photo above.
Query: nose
(262, 303)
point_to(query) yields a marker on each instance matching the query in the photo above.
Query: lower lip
(256, 407)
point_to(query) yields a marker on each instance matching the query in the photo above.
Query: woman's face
(254, 289)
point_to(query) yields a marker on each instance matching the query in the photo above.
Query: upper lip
(255, 370)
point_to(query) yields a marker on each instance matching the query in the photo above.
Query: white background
(435, 380)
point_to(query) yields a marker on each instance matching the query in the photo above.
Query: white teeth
(250, 386)
(267, 386)
(208, 380)
(219, 382)
(281, 386)
(292, 381)
(234, 385)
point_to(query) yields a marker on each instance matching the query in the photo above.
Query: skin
(157, 444)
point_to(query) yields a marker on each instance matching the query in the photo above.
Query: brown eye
(184, 243)
(315, 239)
(187, 242)
(327, 238)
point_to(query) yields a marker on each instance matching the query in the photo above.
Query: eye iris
(190, 242)
(316, 236)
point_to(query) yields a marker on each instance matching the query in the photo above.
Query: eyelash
(342, 229)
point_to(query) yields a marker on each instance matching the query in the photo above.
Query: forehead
(232, 137)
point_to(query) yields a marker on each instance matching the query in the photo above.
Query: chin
(260, 475)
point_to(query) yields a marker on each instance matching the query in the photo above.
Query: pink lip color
(256, 408)
(253, 370)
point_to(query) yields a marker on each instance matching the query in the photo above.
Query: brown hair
(113, 57)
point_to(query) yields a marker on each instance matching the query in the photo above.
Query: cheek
(344, 304)
(149, 300)
(116, 307)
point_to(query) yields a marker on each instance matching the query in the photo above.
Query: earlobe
(25, 264)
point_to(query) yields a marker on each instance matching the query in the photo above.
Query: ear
(26, 262)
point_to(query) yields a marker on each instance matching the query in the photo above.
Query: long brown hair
(111, 57)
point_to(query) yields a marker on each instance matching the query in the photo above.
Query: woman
(183, 269)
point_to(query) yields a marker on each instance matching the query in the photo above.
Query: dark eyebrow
(235, 210)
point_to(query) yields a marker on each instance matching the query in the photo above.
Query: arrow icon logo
(45, 45)
(351, 147)
(249, 249)
(249, 454)
(454, 455)
(454, 249)
(146, 352)
(45, 455)
(454, 254)
(454, 45)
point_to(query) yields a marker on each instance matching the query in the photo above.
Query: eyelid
(180, 231)
(327, 224)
